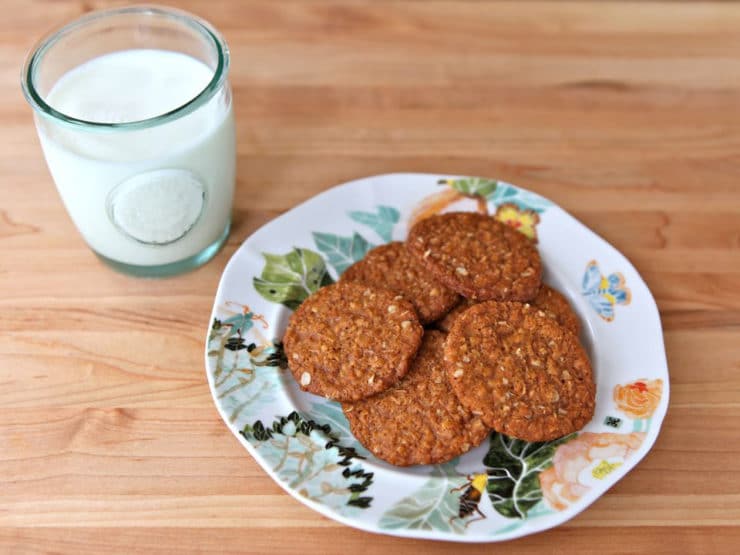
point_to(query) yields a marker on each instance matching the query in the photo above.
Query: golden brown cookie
(445, 323)
(348, 341)
(524, 374)
(419, 420)
(550, 301)
(392, 267)
(477, 256)
(557, 307)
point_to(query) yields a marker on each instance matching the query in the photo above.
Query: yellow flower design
(521, 220)
(640, 398)
(604, 468)
(583, 462)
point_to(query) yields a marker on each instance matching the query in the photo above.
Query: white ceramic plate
(501, 490)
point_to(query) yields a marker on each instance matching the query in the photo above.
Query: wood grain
(625, 114)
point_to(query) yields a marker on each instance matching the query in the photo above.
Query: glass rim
(37, 52)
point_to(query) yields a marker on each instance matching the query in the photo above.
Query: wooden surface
(627, 115)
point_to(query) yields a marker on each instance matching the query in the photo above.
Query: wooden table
(627, 115)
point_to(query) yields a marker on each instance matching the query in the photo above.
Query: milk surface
(152, 196)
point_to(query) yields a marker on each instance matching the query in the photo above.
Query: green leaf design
(472, 186)
(331, 413)
(382, 221)
(432, 507)
(240, 323)
(342, 252)
(307, 456)
(245, 376)
(290, 278)
(539, 510)
(514, 468)
(271, 356)
(523, 199)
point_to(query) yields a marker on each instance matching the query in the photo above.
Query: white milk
(152, 196)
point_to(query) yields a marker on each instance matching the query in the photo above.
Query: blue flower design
(602, 292)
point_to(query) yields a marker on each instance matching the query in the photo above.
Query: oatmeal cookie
(391, 266)
(348, 341)
(419, 420)
(524, 374)
(477, 256)
(556, 306)
(445, 323)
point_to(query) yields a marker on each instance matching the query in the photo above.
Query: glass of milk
(133, 110)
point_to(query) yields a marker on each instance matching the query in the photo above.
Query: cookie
(445, 323)
(556, 306)
(524, 374)
(419, 420)
(391, 266)
(348, 341)
(550, 301)
(477, 256)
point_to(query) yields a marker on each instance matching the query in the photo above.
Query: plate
(503, 489)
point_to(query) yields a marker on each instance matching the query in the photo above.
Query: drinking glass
(151, 196)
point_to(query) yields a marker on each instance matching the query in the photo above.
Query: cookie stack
(499, 351)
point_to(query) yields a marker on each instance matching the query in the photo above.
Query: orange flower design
(640, 398)
(433, 204)
(521, 220)
(459, 189)
(583, 462)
